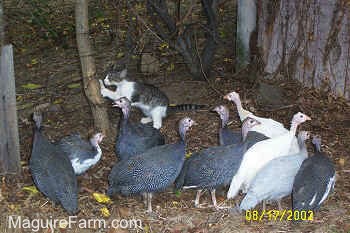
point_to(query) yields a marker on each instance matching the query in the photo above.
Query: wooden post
(9, 140)
(246, 23)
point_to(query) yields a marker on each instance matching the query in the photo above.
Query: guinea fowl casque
(82, 154)
(151, 171)
(261, 153)
(52, 171)
(214, 167)
(268, 126)
(314, 181)
(275, 180)
(226, 135)
(134, 138)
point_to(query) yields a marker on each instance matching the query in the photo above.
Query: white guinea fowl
(261, 153)
(269, 127)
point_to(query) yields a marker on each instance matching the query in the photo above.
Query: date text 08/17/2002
(279, 215)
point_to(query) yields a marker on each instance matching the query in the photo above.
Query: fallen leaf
(105, 212)
(342, 162)
(31, 189)
(101, 198)
(31, 86)
(188, 154)
(73, 85)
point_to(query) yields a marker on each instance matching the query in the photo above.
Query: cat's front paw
(107, 81)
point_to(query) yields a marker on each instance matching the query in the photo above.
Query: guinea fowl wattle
(314, 181)
(82, 154)
(52, 171)
(226, 135)
(275, 180)
(151, 171)
(215, 166)
(134, 138)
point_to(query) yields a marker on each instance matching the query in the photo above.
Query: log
(9, 139)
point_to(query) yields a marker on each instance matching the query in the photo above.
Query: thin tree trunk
(91, 85)
(2, 26)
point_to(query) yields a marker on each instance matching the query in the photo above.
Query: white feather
(256, 157)
(313, 199)
(330, 185)
(80, 168)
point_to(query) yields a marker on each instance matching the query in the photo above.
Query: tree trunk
(246, 23)
(307, 41)
(2, 26)
(91, 85)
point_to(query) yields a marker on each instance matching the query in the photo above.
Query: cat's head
(113, 77)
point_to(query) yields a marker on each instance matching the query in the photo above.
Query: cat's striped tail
(172, 108)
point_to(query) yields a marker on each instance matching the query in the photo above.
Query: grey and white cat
(149, 99)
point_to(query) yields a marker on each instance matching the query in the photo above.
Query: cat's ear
(123, 73)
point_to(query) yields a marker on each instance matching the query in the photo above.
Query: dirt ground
(57, 71)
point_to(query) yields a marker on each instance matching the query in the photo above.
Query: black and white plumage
(215, 166)
(52, 171)
(226, 135)
(314, 181)
(275, 180)
(151, 171)
(82, 154)
(134, 138)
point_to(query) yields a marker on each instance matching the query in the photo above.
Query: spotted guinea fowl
(214, 167)
(314, 181)
(151, 171)
(52, 171)
(82, 154)
(261, 153)
(275, 180)
(226, 135)
(268, 126)
(134, 137)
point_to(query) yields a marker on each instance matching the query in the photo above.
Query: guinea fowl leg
(264, 205)
(213, 198)
(279, 204)
(198, 196)
(149, 202)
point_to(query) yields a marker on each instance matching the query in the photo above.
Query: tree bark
(307, 41)
(246, 24)
(91, 85)
(2, 25)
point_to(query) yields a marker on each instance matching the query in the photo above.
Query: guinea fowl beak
(307, 118)
(227, 97)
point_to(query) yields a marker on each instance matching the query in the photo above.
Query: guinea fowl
(275, 180)
(261, 153)
(134, 138)
(151, 171)
(314, 181)
(226, 135)
(82, 154)
(52, 171)
(214, 167)
(268, 126)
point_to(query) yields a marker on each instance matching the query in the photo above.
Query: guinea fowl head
(123, 103)
(316, 140)
(232, 96)
(96, 139)
(184, 125)
(248, 125)
(298, 118)
(223, 113)
(302, 137)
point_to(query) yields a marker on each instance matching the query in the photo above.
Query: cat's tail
(184, 107)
